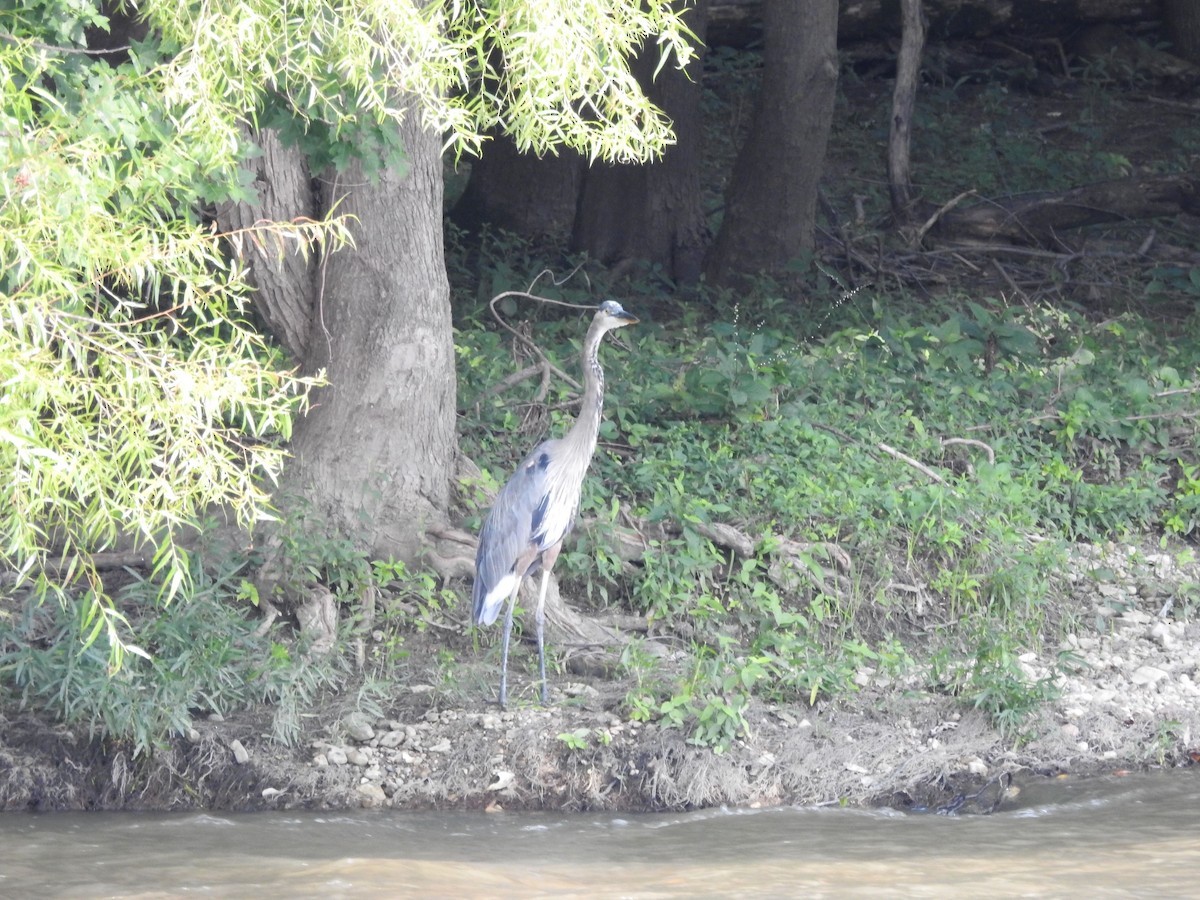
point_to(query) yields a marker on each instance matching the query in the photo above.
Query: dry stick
(919, 466)
(1004, 274)
(514, 379)
(971, 442)
(534, 348)
(941, 211)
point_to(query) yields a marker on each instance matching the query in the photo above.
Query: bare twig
(971, 442)
(941, 211)
(919, 466)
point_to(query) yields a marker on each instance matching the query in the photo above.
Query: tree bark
(534, 196)
(904, 99)
(771, 203)
(653, 212)
(376, 452)
(1183, 27)
(285, 285)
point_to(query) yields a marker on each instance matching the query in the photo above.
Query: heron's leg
(508, 622)
(540, 620)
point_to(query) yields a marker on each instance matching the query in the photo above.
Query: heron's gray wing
(515, 521)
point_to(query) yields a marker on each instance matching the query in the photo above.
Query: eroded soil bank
(1126, 700)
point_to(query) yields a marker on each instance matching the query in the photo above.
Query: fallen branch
(916, 464)
(1039, 219)
(972, 442)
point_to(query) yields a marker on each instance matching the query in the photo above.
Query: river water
(1137, 836)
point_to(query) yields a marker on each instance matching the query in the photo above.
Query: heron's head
(613, 315)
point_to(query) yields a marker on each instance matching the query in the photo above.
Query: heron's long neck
(582, 436)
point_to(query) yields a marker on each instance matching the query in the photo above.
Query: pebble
(1147, 675)
(336, 756)
(240, 754)
(392, 739)
(358, 728)
(356, 757)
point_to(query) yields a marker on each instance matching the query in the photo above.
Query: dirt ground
(893, 743)
(1129, 703)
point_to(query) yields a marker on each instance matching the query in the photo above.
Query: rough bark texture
(736, 22)
(1183, 27)
(1041, 219)
(531, 195)
(772, 197)
(653, 212)
(286, 283)
(908, 76)
(377, 450)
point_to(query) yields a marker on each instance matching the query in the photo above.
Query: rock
(371, 795)
(489, 721)
(216, 717)
(1147, 675)
(336, 756)
(977, 766)
(392, 739)
(356, 757)
(578, 689)
(192, 735)
(358, 728)
(1161, 632)
(240, 754)
(442, 746)
(1134, 617)
(1070, 731)
(503, 781)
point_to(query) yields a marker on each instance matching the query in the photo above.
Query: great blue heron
(535, 510)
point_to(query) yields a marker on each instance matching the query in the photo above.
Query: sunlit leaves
(133, 395)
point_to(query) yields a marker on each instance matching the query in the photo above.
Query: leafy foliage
(136, 392)
(1035, 427)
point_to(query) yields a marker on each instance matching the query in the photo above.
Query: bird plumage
(536, 508)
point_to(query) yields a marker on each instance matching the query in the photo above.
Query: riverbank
(1125, 698)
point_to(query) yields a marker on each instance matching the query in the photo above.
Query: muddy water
(1116, 837)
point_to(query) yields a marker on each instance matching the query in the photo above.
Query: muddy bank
(1127, 700)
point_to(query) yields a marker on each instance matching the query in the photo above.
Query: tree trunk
(534, 196)
(376, 452)
(771, 202)
(1183, 28)
(904, 99)
(653, 212)
(737, 22)
(286, 285)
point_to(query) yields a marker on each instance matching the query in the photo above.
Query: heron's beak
(627, 318)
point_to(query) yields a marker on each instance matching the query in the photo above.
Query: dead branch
(1038, 219)
(919, 466)
(972, 442)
